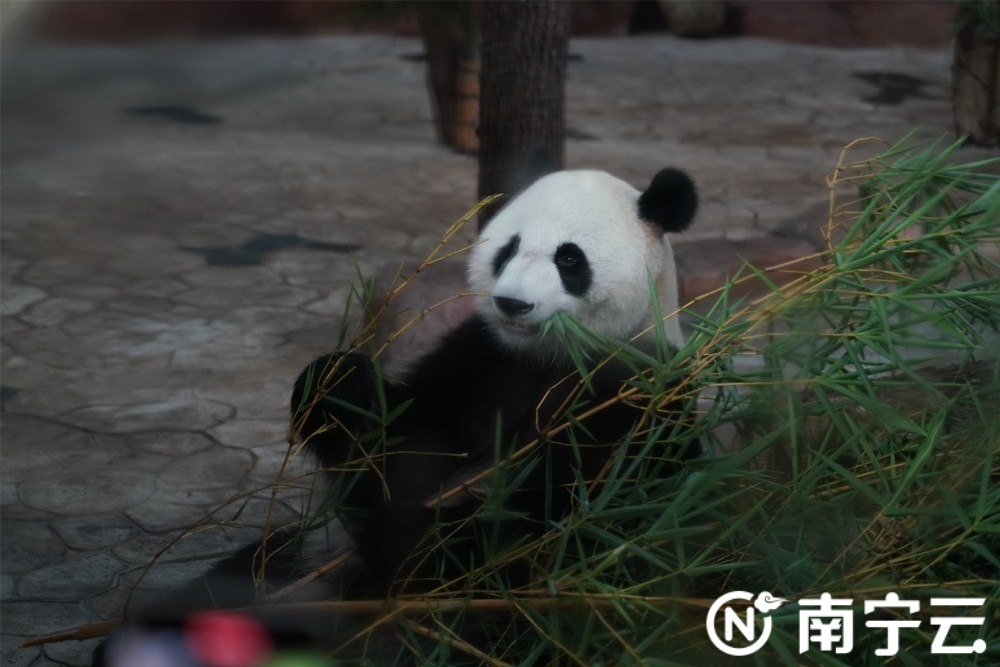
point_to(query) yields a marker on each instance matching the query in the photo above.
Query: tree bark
(976, 81)
(445, 46)
(522, 94)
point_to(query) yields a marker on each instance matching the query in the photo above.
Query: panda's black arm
(321, 405)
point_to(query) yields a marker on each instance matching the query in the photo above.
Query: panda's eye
(567, 257)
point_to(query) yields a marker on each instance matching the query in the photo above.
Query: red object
(227, 639)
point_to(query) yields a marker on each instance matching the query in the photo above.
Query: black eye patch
(574, 269)
(505, 253)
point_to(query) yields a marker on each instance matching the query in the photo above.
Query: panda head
(587, 244)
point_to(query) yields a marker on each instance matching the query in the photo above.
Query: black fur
(670, 201)
(463, 399)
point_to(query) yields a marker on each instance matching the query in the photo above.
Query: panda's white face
(572, 242)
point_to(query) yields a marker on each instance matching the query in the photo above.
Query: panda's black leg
(389, 538)
(329, 403)
(406, 555)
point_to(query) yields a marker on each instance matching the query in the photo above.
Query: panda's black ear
(670, 201)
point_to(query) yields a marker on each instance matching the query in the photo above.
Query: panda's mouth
(519, 327)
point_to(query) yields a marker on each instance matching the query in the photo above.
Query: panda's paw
(330, 398)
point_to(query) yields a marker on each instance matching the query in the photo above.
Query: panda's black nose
(512, 307)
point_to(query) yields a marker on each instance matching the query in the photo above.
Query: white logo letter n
(730, 618)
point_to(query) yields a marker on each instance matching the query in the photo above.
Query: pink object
(227, 639)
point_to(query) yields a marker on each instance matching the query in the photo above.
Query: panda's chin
(515, 334)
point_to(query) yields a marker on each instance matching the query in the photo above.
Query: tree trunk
(444, 46)
(976, 81)
(522, 95)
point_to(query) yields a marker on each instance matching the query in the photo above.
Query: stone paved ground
(181, 222)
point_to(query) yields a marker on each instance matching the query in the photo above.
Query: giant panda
(578, 243)
(487, 402)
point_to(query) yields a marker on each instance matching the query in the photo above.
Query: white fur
(598, 213)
